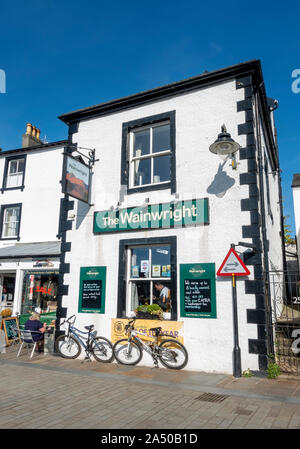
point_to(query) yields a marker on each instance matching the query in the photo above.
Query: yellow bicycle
(129, 351)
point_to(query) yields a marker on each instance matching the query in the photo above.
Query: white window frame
(5, 223)
(150, 155)
(150, 278)
(18, 176)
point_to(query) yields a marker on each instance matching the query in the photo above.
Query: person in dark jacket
(34, 324)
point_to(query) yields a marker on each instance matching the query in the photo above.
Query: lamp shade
(224, 145)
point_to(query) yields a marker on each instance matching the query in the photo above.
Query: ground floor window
(7, 283)
(152, 266)
(39, 291)
(148, 275)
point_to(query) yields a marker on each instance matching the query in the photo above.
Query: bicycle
(129, 351)
(69, 345)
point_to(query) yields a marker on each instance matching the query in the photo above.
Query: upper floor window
(14, 173)
(10, 221)
(148, 153)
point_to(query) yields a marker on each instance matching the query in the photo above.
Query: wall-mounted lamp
(225, 146)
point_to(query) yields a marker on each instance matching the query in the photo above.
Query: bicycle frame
(146, 347)
(154, 348)
(75, 333)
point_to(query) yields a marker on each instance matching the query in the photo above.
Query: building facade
(164, 211)
(29, 224)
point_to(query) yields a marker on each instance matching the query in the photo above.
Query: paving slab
(111, 396)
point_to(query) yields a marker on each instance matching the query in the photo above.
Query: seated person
(34, 324)
(164, 299)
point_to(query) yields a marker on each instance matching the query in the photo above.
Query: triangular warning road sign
(233, 264)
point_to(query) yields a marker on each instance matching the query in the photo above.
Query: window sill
(149, 188)
(9, 238)
(12, 188)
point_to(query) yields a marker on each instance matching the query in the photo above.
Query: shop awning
(40, 249)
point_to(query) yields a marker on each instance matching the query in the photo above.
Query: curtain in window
(15, 173)
(10, 222)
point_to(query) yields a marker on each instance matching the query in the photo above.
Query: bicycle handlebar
(68, 320)
(130, 323)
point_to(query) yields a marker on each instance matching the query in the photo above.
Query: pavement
(49, 392)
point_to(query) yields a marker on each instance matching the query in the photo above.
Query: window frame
(124, 247)
(3, 208)
(150, 279)
(6, 174)
(127, 148)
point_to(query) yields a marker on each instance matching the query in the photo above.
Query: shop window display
(39, 291)
(149, 279)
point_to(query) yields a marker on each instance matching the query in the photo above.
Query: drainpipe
(269, 332)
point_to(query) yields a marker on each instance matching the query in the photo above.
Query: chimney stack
(32, 136)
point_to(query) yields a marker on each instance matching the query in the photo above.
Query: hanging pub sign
(76, 178)
(92, 290)
(154, 216)
(198, 290)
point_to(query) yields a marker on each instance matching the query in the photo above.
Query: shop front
(39, 291)
(29, 277)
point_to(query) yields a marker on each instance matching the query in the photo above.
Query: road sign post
(237, 370)
(233, 266)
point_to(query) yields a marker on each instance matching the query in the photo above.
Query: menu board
(198, 290)
(92, 290)
(91, 294)
(197, 295)
(11, 329)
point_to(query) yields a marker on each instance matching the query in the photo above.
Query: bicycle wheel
(102, 350)
(67, 347)
(172, 354)
(127, 352)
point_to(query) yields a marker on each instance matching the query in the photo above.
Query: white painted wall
(273, 217)
(40, 201)
(41, 196)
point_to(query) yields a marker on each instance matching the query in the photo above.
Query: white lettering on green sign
(163, 215)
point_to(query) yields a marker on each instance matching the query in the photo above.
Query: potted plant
(149, 312)
(6, 313)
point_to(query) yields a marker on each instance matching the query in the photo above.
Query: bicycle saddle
(90, 327)
(157, 330)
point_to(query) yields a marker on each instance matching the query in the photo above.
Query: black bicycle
(69, 345)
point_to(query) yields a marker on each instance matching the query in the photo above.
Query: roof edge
(163, 91)
(35, 147)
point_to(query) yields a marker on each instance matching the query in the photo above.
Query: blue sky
(63, 55)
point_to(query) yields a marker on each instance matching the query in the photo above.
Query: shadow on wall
(221, 183)
(82, 211)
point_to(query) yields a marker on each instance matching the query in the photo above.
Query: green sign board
(198, 290)
(153, 216)
(92, 290)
